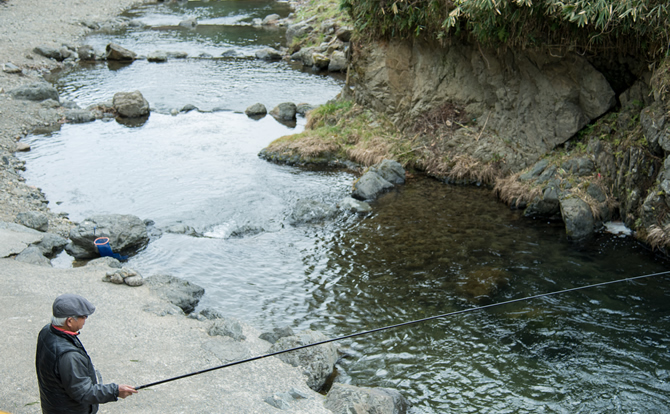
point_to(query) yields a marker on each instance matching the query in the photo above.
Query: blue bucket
(104, 249)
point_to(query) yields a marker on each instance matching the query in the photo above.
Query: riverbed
(427, 249)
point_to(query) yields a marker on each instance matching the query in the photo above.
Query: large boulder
(51, 244)
(348, 399)
(338, 62)
(34, 220)
(577, 216)
(130, 104)
(119, 53)
(268, 54)
(257, 109)
(176, 291)
(316, 362)
(284, 111)
(369, 186)
(33, 255)
(38, 91)
(297, 30)
(390, 170)
(127, 234)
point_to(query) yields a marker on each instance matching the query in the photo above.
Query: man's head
(70, 311)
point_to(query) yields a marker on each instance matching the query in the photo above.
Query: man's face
(75, 324)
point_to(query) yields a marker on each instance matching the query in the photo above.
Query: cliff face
(527, 102)
(522, 106)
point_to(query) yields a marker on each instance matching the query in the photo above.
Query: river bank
(127, 343)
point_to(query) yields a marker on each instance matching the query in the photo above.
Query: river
(428, 248)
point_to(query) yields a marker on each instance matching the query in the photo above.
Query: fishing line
(478, 308)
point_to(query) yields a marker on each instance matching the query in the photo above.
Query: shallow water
(428, 248)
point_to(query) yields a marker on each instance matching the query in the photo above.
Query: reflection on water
(427, 249)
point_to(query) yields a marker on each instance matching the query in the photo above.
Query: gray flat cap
(70, 304)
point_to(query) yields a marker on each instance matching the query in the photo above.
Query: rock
(34, 256)
(22, 147)
(124, 275)
(229, 53)
(284, 111)
(127, 234)
(351, 204)
(276, 334)
(177, 55)
(80, 116)
(577, 217)
(51, 245)
(546, 206)
(39, 91)
(309, 211)
(191, 23)
(10, 68)
(34, 220)
(226, 327)
(297, 30)
(655, 127)
(317, 362)
(305, 56)
(130, 104)
(579, 166)
(268, 54)
(257, 109)
(106, 261)
(157, 56)
(338, 62)
(86, 53)
(179, 292)
(119, 53)
(163, 309)
(348, 399)
(270, 19)
(321, 61)
(369, 186)
(303, 108)
(49, 52)
(344, 34)
(390, 170)
(535, 170)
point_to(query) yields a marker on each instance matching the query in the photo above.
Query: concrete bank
(130, 345)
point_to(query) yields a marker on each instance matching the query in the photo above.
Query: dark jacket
(66, 376)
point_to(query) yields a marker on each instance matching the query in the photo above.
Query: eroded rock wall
(531, 101)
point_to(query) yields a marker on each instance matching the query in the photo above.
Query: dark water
(428, 248)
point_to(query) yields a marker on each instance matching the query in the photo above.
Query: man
(65, 373)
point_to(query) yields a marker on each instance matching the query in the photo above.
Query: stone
(157, 57)
(369, 186)
(317, 362)
(227, 327)
(119, 53)
(80, 116)
(179, 292)
(348, 399)
(34, 220)
(124, 275)
(34, 256)
(278, 401)
(321, 61)
(303, 108)
(284, 111)
(546, 206)
(268, 54)
(351, 204)
(344, 34)
(390, 170)
(10, 68)
(309, 211)
(191, 23)
(276, 334)
(51, 245)
(257, 109)
(297, 30)
(22, 147)
(106, 261)
(127, 234)
(270, 19)
(163, 309)
(38, 91)
(338, 62)
(181, 228)
(535, 170)
(49, 52)
(577, 216)
(579, 166)
(130, 104)
(655, 127)
(86, 53)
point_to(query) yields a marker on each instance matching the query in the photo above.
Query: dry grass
(307, 146)
(510, 190)
(657, 236)
(371, 152)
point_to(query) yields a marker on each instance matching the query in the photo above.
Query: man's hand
(126, 390)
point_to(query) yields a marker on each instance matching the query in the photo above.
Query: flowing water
(427, 249)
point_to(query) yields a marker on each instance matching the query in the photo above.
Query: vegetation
(636, 26)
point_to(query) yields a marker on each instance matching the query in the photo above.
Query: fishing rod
(384, 328)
